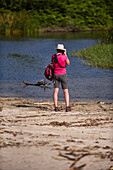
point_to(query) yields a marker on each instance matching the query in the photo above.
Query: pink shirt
(62, 60)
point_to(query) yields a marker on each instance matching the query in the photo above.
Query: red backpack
(49, 72)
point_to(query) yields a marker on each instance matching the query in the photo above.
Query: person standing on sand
(60, 60)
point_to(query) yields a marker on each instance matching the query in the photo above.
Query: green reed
(18, 22)
(100, 55)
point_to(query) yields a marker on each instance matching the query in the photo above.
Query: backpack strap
(56, 61)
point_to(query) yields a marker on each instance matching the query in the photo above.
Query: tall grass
(16, 22)
(100, 55)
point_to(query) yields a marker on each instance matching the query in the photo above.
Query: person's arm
(67, 62)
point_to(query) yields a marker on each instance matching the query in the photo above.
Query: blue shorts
(60, 79)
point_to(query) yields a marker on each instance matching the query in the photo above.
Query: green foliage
(98, 55)
(68, 14)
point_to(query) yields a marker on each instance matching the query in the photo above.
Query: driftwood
(75, 161)
(42, 83)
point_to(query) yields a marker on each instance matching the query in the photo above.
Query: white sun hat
(60, 47)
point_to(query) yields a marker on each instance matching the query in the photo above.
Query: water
(25, 58)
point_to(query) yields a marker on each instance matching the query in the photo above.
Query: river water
(25, 58)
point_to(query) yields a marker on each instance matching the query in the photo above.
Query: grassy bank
(65, 15)
(98, 55)
(30, 22)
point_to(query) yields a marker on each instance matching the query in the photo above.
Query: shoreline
(34, 136)
(72, 100)
(53, 30)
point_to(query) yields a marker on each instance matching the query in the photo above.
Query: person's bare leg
(66, 93)
(55, 96)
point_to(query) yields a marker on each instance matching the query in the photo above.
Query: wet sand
(35, 137)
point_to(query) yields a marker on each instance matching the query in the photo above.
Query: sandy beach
(35, 137)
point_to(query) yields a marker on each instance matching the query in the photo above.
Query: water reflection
(59, 35)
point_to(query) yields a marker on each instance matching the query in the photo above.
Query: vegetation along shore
(98, 55)
(65, 15)
(32, 16)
